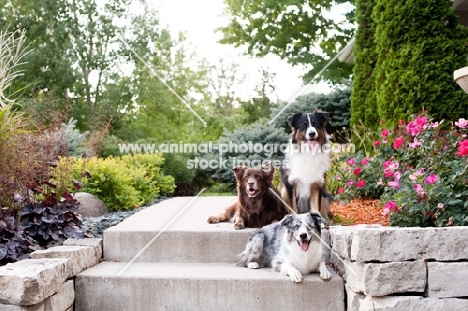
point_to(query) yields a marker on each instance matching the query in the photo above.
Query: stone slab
(95, 243)
(447, 279)
(81, 257)
(381, 279)
(412, 303)
(63, 299)
(387, 244)
(29, 282)
(198, 286)
(353, 299)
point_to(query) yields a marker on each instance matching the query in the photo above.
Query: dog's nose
(303, 236)
(250, 183)
(312, 134)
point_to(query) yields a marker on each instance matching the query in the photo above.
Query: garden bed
(359, 211)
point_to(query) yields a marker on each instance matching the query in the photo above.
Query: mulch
(359, 211)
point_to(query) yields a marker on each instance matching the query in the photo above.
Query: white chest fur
(305, 262)
(306, 168)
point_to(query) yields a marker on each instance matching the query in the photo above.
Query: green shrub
(418, 44)
(363, 101)
(123, 183)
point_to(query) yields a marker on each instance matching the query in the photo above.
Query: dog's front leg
(324, 273)
(294, 274)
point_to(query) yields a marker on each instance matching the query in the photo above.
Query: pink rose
(350, 183)
(357, 171)
(431, 179)
(416, 143)
(340, 190)
(462, 149)
(398, 142)
(388, 173)
(419, 189)
(385, 132)
(387, 163)
(364, 162)
(394, 184)
(361, 183)
(389, 207)
(462, 123)
(440, 205)
(416, 126)
(377, 143)
(351, 161)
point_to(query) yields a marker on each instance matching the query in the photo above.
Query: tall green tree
(418, 46)
(303, 32)
(363, 98)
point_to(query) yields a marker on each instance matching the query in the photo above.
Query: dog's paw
(239, 225)
(295, 275)
(324, 273)
(212, 220)
(252, 265)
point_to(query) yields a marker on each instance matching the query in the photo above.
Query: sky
(199, 19)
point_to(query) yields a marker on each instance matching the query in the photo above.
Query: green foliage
(337, 103)
(299, 31)
(419, 171)
(418, 46)
(69, 140)
(363, 100)
(123, 183)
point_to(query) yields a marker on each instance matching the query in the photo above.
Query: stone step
(201, 286)
(189, 238)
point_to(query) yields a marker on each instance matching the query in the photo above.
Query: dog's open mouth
(251, 192)
(312, 143)
(303, 244)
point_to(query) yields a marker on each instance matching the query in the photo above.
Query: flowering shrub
(419, 171)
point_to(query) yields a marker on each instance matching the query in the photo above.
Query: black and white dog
(307, 159)
(291, 247)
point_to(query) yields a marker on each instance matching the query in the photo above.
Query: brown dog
(256, 206)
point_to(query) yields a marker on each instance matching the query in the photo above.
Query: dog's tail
(253, 249)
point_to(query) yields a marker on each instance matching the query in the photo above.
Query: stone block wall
(45, 282)
(388, 268)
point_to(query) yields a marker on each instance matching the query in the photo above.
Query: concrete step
(201, 286)
(189, 238)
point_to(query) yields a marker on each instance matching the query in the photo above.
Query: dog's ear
(323, 116)
(286, 220)
(317, 220)
(292, 119)
(238, 172)
(268, 171)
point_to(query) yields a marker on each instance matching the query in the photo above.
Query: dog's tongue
(312, 144)
(304, 245)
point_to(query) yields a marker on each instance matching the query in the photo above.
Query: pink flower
(398, 142)
(431, 179)
(357, 171)
(379, 182)
(420, 172)
(385, 132)
(416, 126)
(416, 143)
(351, 161)
(397, 176)
(413, 177)
(387, 163)
(350, 183)
(388, 173)
(337, 177)
(340, 190)
(462, 149)
(389, 207)
(394, 184)
(440, 205)
(364, 161)
(394, 166)
(385, 141)
(462, 123)
(419, 189)
(361, 183)
(377, 143)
